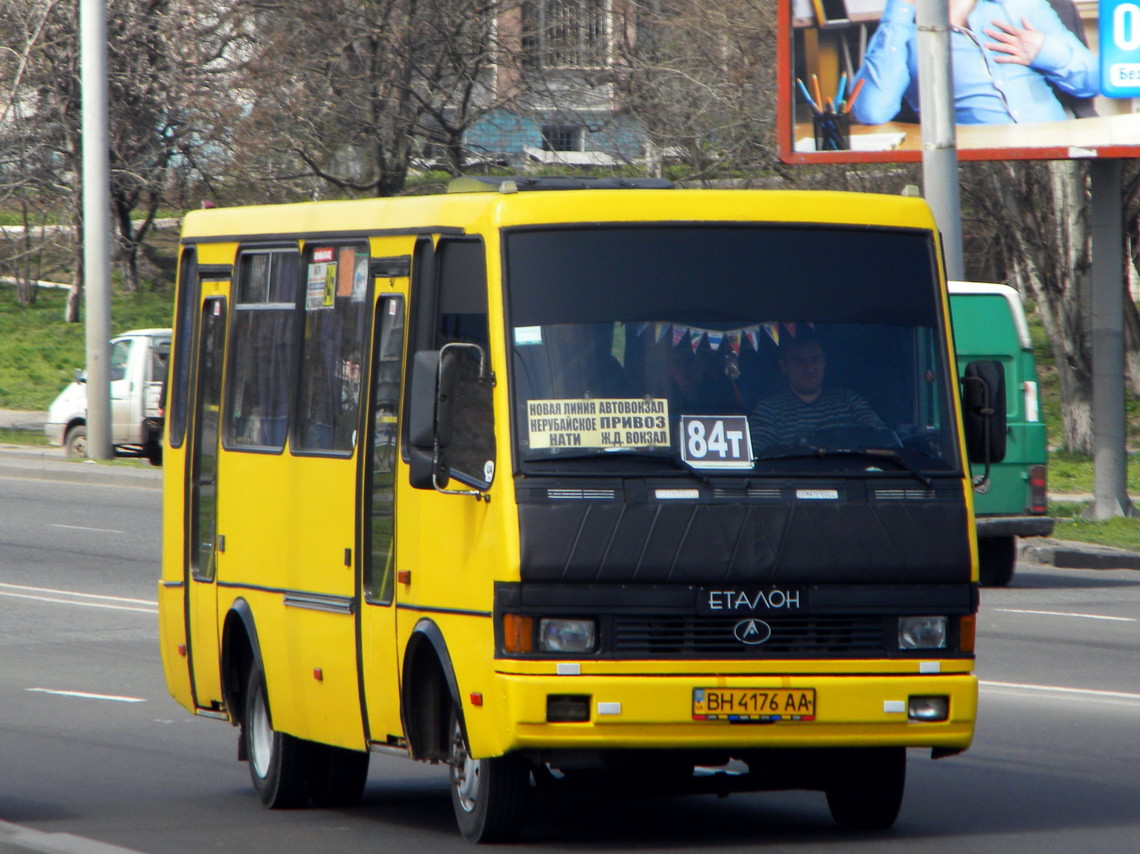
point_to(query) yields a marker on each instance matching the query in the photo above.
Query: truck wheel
(278, 763)
(865, 788)
(336, 775)
(75, 445)
(489, 795)
(997, 559)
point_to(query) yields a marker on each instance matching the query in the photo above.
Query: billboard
(1033, 79)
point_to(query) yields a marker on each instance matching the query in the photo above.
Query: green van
(989, 323)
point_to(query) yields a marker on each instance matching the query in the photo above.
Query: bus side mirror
(422, 454)
(984, 412)
(446, 386)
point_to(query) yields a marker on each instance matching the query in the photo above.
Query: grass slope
(39, 351)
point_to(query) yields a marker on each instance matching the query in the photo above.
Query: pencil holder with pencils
(832, 131)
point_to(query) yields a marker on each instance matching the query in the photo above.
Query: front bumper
(649, 712)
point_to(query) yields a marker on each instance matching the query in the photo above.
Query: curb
(1065, 554)
(49, 465)
(16, 839)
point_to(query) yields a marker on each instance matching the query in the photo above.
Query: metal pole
(96, 224)
(1110, 459)
(939, 135)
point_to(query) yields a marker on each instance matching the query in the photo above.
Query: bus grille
(650, 636)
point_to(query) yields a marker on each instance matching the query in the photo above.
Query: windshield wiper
(815, 452)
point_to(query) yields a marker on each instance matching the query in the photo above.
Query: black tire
(278, 763)
(489, 795)
(75, 445)
(336, 775)
(865, 789)
(997, 559)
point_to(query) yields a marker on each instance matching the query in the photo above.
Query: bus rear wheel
(278, 763)
(489, 795)
(865, 788)
(336, 775)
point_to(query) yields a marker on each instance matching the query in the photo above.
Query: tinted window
(379, 552)
(184, 335)
(261, 355)
(731, 348)
(332, 347)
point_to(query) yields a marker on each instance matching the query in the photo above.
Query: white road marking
(1067, 614)
(81, 528)
(1057, 689)
(86, 696)
(115, 603)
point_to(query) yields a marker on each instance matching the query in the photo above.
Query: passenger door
(202, 523)
(379, 659)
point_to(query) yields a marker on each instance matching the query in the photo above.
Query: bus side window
(332, 347)
(461, 317)
(262, 352)
(381, 447)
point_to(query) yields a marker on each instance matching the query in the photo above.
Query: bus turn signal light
(518, 633)
(967, 629)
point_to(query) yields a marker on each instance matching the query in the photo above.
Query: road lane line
(84, 695)
(54, 601)
(100, 596)
(1057, 689)
(81, 528)
(1067, 614)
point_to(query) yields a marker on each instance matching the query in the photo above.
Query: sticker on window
(716, 441)
(525, 335)
(605, 423)
(321, 285)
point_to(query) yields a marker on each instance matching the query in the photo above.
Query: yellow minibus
(568, 482)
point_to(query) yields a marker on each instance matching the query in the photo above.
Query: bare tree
(1037, 213)
(699, 78)
(346, 100)
(156, 82)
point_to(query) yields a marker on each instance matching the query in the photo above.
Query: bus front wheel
(489, 795)
(997, 560)
(865, 788)
(277, 762)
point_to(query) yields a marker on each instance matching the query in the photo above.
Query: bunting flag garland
(730, 341)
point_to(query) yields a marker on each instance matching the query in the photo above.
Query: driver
(791, 416)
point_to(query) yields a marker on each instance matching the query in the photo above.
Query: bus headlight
(923, 632)
(557, 635)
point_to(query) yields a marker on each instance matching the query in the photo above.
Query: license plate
(766, 705)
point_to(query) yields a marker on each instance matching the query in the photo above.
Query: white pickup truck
(137, 374)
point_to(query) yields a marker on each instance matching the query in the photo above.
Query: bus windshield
(728, 349)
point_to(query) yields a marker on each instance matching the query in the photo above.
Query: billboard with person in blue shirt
(1034, 79)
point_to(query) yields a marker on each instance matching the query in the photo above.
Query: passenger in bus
(582, 362)
(700, 382)
(806, 406)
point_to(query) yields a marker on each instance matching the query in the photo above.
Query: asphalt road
(92, 747)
